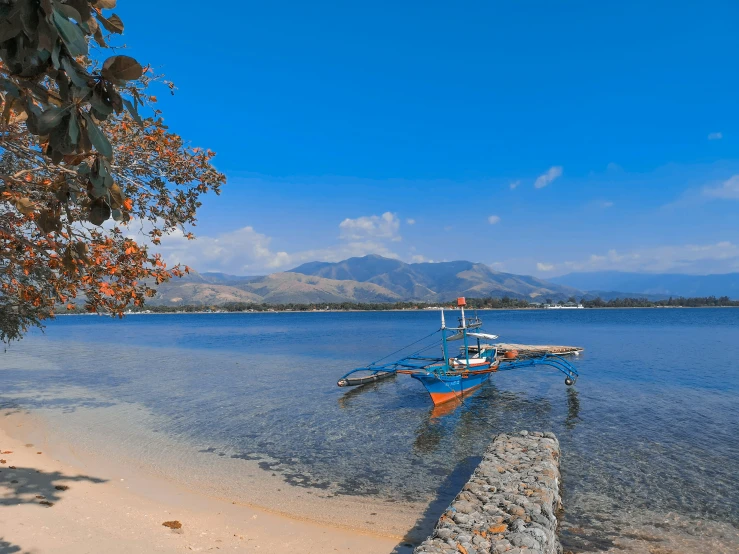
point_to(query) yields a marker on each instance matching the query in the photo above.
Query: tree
(81, 170)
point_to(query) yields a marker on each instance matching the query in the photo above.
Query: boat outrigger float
(452, 377)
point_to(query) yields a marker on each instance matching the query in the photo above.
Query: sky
(537, 137)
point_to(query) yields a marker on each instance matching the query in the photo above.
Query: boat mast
(443, 339)
(462, 303)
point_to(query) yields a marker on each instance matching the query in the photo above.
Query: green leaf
(52, 117)
(55, 55)
(132, 110)
(73, 73)
(59, 138)
(100, 103)
(113, 24)
(69, 12)
(10, 88)
(74, 128)
(122, 68)
(99, 213)
(71, 35)
(98, 138)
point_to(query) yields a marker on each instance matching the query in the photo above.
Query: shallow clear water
(650, 430)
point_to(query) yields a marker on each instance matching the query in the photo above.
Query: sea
(649, 433)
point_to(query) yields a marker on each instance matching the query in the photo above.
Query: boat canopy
(483, 336)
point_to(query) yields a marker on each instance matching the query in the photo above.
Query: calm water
(651, 428)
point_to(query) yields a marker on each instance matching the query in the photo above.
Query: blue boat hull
(445, 388)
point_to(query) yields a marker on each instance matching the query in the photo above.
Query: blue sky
(539, 137)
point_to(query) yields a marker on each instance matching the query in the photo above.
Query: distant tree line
(699, 302)
(472, 303)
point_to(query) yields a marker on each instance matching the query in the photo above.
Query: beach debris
(39, 452)
(173, 524)
(40, 496)
(6, 452)
(61, 487)
(11, 467)
(47, 503)
(3, 461)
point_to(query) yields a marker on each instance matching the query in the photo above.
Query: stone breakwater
(508, 505)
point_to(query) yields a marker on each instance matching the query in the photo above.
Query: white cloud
(493, 219)
(727, 189)
(715, 136)
(689, 258)
(606, 204)
(385, 226)
(242, 251)
(245, 251)
(548, 178)
(514, 184)
(418, 259)
(410, 221)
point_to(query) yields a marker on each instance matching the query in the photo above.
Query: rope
(406, 346)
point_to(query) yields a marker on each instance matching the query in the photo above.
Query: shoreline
(114, 508)
(402, 310)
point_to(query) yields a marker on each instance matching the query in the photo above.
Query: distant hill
(366, 279)
(436, 281)
(288, 287)
(654, 284)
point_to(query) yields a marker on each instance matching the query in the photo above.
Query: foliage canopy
(82, 172)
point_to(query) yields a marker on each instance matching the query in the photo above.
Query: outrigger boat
(453, 377)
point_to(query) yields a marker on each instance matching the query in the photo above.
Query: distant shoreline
(205, 312)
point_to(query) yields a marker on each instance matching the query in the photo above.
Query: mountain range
(653, 284)
(377, 279)
(367, 279)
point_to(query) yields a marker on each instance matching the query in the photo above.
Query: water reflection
(573, 408)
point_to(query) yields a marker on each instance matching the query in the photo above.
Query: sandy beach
(50, 505)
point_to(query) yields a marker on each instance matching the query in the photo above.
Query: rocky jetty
(508, 505)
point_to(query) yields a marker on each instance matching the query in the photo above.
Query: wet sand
(100, 507)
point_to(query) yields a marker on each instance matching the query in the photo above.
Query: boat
(448, 378)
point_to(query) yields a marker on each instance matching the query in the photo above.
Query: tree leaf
(98, 138)
(74, 128)
(132, 110)
(72, 73)
(82, 6)
(50, 118)
(71, 35)
(25, 206)
(48, 221)
(100, 103)
(122, 68)
(69, 12)
(99, 213)
(105, 4)
(116, 196)
(112, 24)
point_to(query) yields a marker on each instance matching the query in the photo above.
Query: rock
(173, 524)
(508, 504)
